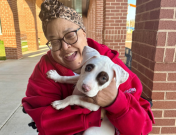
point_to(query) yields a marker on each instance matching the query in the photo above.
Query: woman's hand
(104, 97)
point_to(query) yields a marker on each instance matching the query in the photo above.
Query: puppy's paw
(59, 104)
(52, 74)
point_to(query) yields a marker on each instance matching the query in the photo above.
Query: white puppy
(96, 74)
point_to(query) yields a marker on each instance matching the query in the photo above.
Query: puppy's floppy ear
(121, 74)
(89, 53)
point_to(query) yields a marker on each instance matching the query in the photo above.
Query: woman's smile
(71, 56)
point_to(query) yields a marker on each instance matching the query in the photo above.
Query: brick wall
(154, 59)
(10, 29)
(1, 37)
(108, 24)
(41, 35)
(31, 24)
(22, 19)
(114, 35)
(99, 21)
(90, 30)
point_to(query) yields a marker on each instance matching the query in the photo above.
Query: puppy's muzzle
(86, 88)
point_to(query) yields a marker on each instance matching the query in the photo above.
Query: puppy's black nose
(86, 88)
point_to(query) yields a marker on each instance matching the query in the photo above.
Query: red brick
(139, 2)
(155, 130)
(157, 95)
(159, 54)
(171, 95)
(135, 56)
(145, 16)
(145, 81)
(157, 114)
(115, 4)
(168, 130)
(164, 86)
(152, 36)
(164, 122)
(153, 5)
(164, 105)
(134, 64)
(114, 24)
(145, 62)
(116, 19)
(167, 25)
(124, 4)
(138, 18)
(159, 77)
(169, 55)
(140, 8)
(166, 13)
(10, 30)
(149, 73)
(171, 39)
(161, 38)
(169, 113)
(123, 17)
(152, 65)
(147, 91)
(168, 3)
(116, 11)
(141, 69)
(140, 25)
(110, 7)
(147, 51)
(110, 1)
(154, 14)
(151, 25)
(165, 66)
(171, 77)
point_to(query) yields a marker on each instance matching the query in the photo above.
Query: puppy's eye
(102, 78)
(89, 67)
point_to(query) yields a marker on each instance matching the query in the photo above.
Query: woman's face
(69, 56)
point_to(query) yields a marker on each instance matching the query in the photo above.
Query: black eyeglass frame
(64, 40)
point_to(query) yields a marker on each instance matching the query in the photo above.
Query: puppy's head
(97, 73)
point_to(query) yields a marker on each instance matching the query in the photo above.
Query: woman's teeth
(69, 54)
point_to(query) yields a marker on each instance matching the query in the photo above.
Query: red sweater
(130, 114)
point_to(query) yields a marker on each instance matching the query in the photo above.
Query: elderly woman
(66, 35)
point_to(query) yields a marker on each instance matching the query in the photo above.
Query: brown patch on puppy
(102, 78)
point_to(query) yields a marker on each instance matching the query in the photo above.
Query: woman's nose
(65, 46)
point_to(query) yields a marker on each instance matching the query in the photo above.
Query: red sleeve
(39, 95)
(129, 113)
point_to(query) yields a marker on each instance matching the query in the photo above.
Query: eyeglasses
(69, 38)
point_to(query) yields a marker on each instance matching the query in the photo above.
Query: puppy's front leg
(52, 74)
(74, 100)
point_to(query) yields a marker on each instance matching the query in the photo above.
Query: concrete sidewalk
(14, 76)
